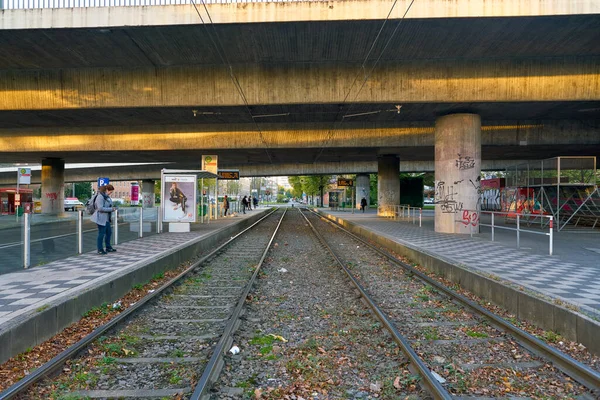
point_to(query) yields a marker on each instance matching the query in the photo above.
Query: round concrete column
(148, 194)
(53, 186)
(363, 189)
(457, 173)
(388, 184)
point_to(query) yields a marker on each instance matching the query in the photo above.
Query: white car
(72, 203)
(428, 200)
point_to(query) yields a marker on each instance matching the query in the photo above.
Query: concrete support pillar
(457, 173)
(388, 184)
(363, 189)
(147, 193)
(53, 186)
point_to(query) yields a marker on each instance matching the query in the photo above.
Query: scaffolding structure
(565, 187)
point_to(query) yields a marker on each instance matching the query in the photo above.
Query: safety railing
(402, 212)
(53, 240)
(32, 4)
(519, 220)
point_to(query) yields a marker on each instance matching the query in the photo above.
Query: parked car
(428, 200)
(72, 203)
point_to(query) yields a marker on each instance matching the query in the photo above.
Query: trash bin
(19, 211)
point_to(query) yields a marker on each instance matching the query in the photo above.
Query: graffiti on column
(52, 196)
(444, 196)
(470, 217)
(465, 162)
(477, 185)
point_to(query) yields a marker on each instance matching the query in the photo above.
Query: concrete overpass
(148, 83)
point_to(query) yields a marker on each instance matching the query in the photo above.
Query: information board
(229, 174)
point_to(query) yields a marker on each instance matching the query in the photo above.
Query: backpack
(90, 205)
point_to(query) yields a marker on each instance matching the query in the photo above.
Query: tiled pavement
(577, 283)
(27, 290)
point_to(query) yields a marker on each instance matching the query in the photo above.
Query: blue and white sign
(103, 181)
(24, 176)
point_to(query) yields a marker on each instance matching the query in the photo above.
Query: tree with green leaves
(83, 190)
(312, 185)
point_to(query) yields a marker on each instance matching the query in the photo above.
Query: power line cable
(367, 75)
(221, 52)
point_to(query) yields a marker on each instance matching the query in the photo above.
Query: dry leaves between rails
(576, 350)
(23, 364)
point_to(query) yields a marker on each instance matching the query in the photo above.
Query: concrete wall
(188, 137)
(286, 12)
(464, 81)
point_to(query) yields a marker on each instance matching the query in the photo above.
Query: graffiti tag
(465, 162)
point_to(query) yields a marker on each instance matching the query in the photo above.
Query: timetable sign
(229, 174)
(345, 182)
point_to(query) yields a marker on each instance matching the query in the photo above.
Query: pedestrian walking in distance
(225, 205)
(363, 204)
(244, 204)
(102, 216)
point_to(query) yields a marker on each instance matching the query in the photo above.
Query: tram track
(471, 351)
(171, 342)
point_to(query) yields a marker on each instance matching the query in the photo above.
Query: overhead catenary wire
(221, 52)
(340, 121)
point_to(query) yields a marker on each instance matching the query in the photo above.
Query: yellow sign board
(229, 174)
(345, 182)
(210, 163)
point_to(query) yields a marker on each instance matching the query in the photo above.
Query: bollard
(492, 226)
(141, 230)
(79, 231)
(551, 226)
(26, 242)
(116, 230)
(158, 219)
(518, 231)
(420, 214)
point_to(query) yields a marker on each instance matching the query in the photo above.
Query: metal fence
(545, 221)
(43, 243)
(33, 4)
(402, 212)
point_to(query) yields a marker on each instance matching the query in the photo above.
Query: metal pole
(518, 231)
(551, 233)
(116, 235)
(420, 213)
(414, 215)
(80, 231)
(158, 220)
(141, 230)
(492, 226)
(558, 197)
(26, 242)
(216, 198)
(201, 200)
(353, 199)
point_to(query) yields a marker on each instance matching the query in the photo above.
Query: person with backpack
(103, 208)
(255, 202)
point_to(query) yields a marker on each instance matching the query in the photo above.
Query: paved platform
(25, 291)
(571, 274)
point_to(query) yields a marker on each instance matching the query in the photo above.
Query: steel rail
(580, 372)
(57, 361)
(213, 368)
(430, 382)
